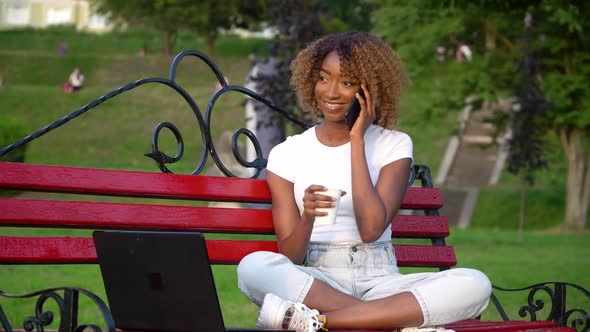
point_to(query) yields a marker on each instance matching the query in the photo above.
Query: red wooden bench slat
(417, 198)
(64, 179)
(72, 214)
(130, 183)
(420, 255)
(474, 325)
(80, 250)
(94, 215)
(420, 226)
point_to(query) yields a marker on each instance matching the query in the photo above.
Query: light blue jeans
(368, 272)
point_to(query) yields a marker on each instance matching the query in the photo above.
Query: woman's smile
(332, 106)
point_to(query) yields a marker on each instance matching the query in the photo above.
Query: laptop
(160, 281)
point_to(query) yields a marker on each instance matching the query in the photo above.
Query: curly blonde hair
(363, 57)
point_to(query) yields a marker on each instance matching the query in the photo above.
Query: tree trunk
(577, 149)
(522, 211)
(210, 43)
(490, 34)
(266, 123)
(170, 42)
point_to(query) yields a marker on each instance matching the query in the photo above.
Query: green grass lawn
(117, 134)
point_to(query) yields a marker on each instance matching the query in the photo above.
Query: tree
(564, 30)
(346, 15)
(528, 119)
(205, 18)
(416, 27)
(297, 23)
(560, 34)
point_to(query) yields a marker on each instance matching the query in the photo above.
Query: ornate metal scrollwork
(68, 311)
(557, 308)
(204, 122)
(160, 157)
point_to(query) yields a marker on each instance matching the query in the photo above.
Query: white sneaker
(425, 329)
(277, 313)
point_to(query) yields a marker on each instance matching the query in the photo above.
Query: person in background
(62, 48)
(344, 275)
(142, 52)
(75, 81)
(440, 53)
(218, 85)
(464, 53)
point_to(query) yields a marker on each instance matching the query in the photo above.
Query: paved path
(471, 162)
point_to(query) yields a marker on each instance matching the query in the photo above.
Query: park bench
(88, 210)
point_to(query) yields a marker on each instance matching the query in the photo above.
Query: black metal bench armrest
(67, 303)
(559, 309)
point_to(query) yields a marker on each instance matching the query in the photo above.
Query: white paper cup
(331, 217)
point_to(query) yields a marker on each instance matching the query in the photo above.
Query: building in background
(46, 13)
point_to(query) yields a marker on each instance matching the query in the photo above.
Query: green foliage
(570, 98)
(205, 18)
(444, 84)
(535, 50)
(416, 28)
(333, 25)
(346, 15)
(565, 47)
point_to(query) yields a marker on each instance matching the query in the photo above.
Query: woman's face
(333, 91)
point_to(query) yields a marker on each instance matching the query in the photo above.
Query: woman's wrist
(356, 139)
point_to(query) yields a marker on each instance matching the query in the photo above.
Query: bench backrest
(60, 211)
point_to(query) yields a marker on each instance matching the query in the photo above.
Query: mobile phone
(353, 111)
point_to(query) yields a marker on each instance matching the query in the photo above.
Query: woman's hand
(367, 115)
(293, 227)
(313, 200)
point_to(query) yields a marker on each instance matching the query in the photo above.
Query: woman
(347, 271)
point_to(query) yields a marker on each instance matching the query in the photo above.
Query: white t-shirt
(76, 80)
(304, 161)
(466, 51)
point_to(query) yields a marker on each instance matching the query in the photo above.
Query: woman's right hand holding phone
(367, 115)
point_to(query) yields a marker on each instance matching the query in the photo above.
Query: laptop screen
(158, 281)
